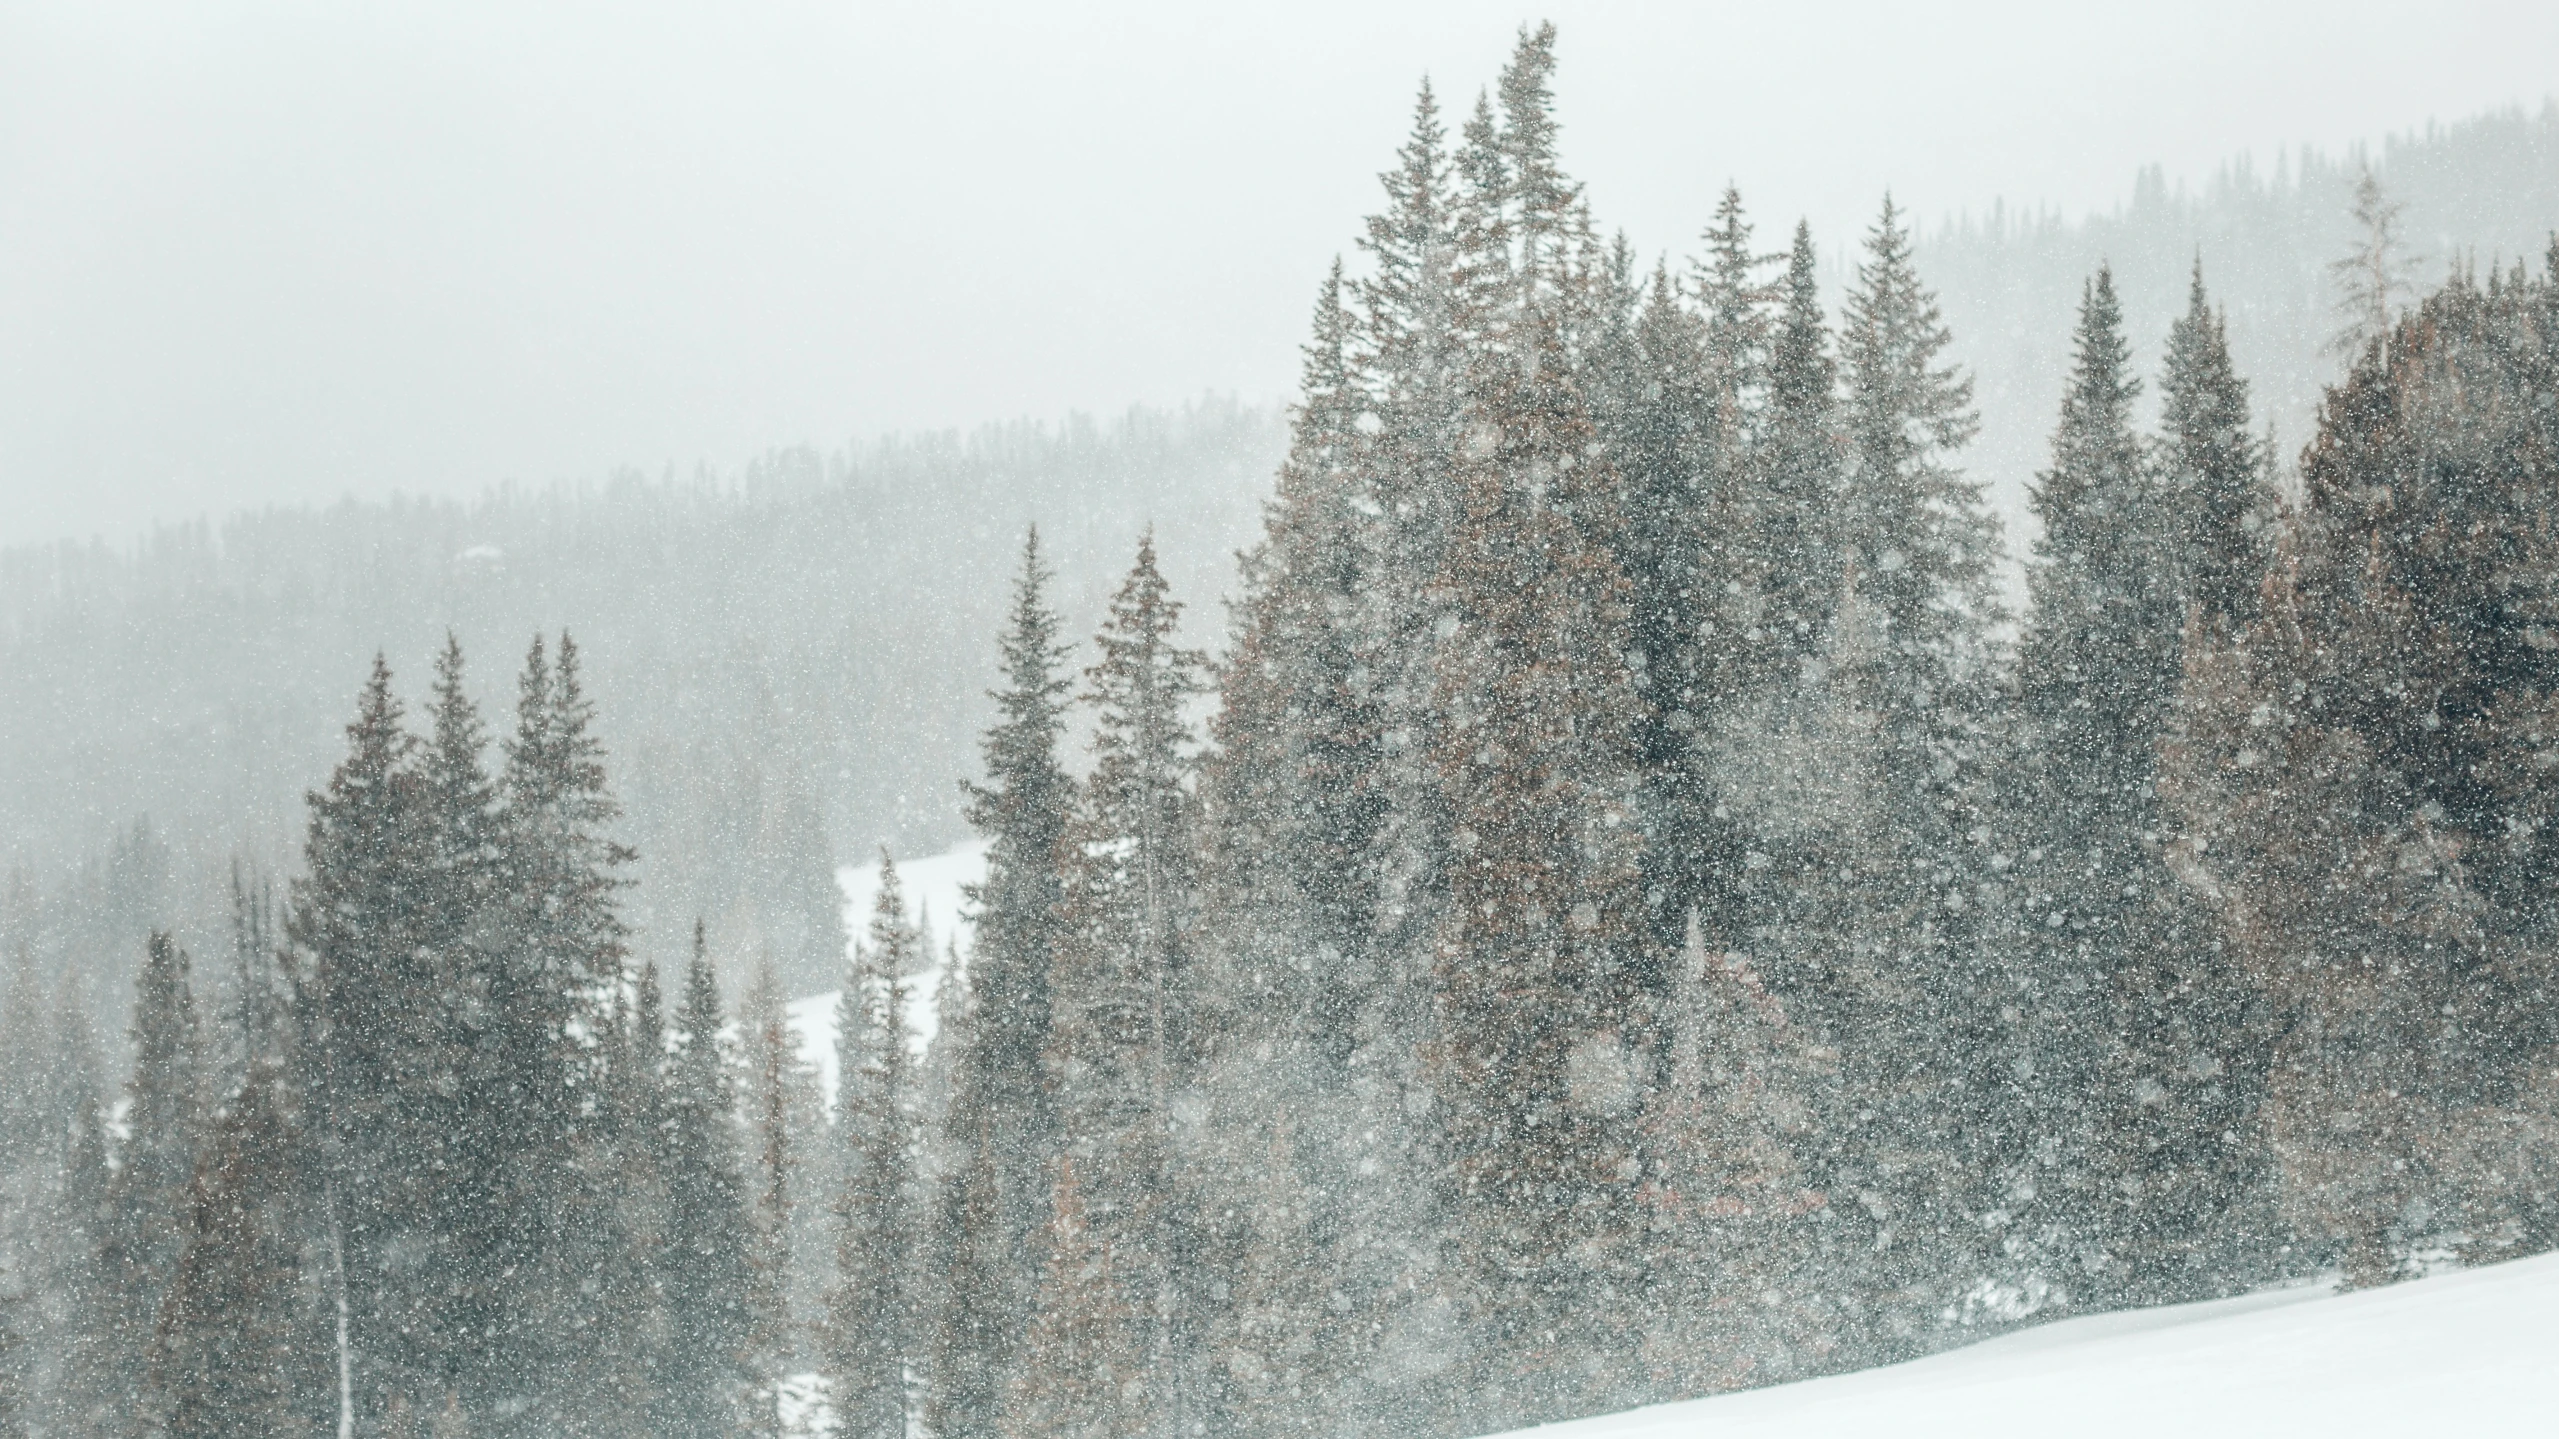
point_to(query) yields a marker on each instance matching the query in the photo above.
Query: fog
(271, 253)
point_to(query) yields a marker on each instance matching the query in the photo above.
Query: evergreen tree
(773, 1101)
(1543, 952)
(1916, 1002)
(2372, 278)
(2216, 473)
(871, 1323)
(90, 1389)
(1671, 438)
(2360, 778)
(366, 1047)
(1293, 776)
(705, 1274)
(2110, 942)
(463, 848)
(1124, 997)
(239, 1348)
(1004, 1105)
(145, 1231)
(1293, 804)
(1798, 461)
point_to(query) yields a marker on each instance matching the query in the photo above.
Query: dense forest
(776, 652)
(782, 649)
(1636, 906)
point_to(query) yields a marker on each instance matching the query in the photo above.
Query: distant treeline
(777, 652)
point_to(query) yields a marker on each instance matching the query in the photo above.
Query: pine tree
(2216, 473)
(145, 1236)
(238, 1348)
(871, 1328)
(706, 1274)
(552, 998)
(2104, 922)
(1543, 951)
(464, 848)
(1798, 461)
(1670, 439)
(1003, 1099)
(2372, 278)
(1293, 805)
(2360, 778)
(1431, 273)
(1124, 998)
(89, 1385)
(1917, 1002)
(1293, 778)
(365, 995)
(774, 1079)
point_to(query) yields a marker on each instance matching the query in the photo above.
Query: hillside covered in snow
(2468, 1353)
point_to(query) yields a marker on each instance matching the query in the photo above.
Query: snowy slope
(2474, 1353)
(933, 893)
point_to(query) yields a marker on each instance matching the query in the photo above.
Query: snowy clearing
(2470, 1353)
(934, 895)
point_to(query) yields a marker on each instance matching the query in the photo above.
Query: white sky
(258, 253)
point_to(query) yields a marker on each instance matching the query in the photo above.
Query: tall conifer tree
(1004, 1099)
(707, 1234)
(164, 1123)
(1916, 1004)
(871, 1324)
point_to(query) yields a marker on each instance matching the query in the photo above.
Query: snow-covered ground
(933, 894)
(2472, 1353)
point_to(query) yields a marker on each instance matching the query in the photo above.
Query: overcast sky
(258, 253)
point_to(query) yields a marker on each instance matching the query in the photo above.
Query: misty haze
(936, 723)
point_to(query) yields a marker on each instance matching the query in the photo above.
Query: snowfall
(2467, 1353)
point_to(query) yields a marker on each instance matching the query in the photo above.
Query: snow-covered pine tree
(1912, 999)
(2372, 278)
(1292, 780)
(871, 1328)
(1415, 315)
(239, 1348)
(364, 993)
(1292, 807)
(1669, 436)
(463, 846)
(774, 1179)
(2218, 475)
(70, 1204)
(2361, 775)
(1125, 998)
(163, 1130)
(1543, 951)
(553, 996)
(705, 1268)
(1729, 1298)
(1798, 459)
(2181, 1154)
(2107, 935)
(1004, 1116)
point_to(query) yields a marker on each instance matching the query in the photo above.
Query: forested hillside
(778, 651)
(1629, 906)
(2476, 190)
